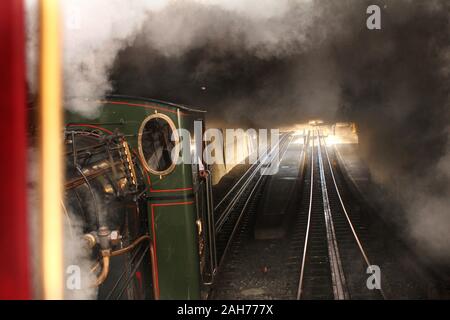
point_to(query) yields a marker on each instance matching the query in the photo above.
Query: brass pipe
(105, 270)
(107, 254)
(106, 259)
(130, 247)
(95, 267)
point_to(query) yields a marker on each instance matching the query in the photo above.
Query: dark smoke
(230, 63)
(317, 59)
(395, 85)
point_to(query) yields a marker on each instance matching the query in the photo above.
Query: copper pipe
(130, 247)
(105, 270)
(107, 254)
(95, 267)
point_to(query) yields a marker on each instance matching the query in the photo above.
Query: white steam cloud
(94, 31)
(78, 263)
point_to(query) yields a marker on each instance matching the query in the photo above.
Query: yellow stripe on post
(51, 125)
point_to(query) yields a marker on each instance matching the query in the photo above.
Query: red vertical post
(14, 251)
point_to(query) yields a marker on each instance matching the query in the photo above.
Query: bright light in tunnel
(332, 140)
(299, 140)
(299, 134)
(315, 122)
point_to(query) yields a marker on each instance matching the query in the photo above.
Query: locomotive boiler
(144, 218)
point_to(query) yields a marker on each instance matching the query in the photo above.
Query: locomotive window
(155, 143)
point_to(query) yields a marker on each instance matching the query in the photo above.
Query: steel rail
(340, 290)
(358, 241)
(226, 212)
(305, 247)
(244, 208)
(253, 167)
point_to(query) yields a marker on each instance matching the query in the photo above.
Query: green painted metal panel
(176, 249)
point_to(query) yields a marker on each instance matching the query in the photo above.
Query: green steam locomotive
(146, 219)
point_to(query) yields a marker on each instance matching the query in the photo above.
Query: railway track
(334, 261)
(330, 240)
(237, 210)
(231, 209)
(326, 254)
